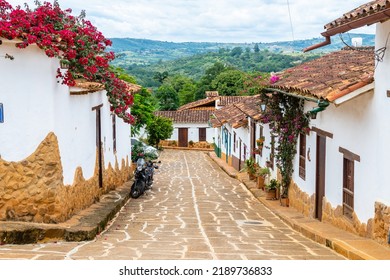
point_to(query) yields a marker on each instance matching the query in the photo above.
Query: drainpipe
(319, 45)
(322, 104)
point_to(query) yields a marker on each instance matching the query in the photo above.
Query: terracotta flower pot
(271, 194)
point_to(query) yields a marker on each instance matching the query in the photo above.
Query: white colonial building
(59, 145)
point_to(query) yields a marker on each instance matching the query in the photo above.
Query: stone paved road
(194, 211)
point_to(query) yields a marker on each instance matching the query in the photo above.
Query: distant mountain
(143, 58)
(146, 52)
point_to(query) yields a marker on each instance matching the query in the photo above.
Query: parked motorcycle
(143, 177)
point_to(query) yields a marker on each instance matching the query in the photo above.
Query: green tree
(160, 128)
(256, 48)
(236, 51)
(168, 98)
(205, 83)
(187, 93)
(144, 104)
(161, 76)
(142, 110)
(230, 82)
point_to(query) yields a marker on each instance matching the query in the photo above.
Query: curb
(349, 245)
(83, 226)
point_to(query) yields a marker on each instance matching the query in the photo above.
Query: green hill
(142, 58)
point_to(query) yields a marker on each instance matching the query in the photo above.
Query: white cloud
(212, 21)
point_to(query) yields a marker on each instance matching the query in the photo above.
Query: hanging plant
(74, 41)
(287, 120)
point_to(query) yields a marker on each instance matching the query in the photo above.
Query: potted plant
(261, 174)
(250, 167)
(271, 189)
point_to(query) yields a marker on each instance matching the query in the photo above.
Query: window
(234, 141)
(272, 154)
(302, 156)
(348, 188)
(348, 181)
(202, 134)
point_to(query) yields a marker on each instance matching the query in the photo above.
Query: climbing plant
(286, 119)
(73, 40)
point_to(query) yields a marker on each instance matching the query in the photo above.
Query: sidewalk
(347, 244)
(83, 226)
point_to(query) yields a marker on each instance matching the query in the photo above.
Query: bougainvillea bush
(286, 119)
(73, 40)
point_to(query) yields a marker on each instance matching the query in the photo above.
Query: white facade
(36, 103)
(362, 126)
(193, 131)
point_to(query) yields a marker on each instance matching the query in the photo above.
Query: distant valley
(142, 58)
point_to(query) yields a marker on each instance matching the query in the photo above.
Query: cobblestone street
(194, 211)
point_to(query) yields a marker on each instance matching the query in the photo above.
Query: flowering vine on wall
(73, 40)
(287, 120)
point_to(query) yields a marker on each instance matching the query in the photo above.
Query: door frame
(99, 142)
(320, 175)
(183, 138)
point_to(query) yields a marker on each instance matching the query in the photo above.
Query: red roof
(330, 76)
(366, 14)
(186, 116)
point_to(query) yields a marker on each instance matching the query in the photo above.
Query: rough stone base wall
(32, 190)
(198, 145)
(376, 228)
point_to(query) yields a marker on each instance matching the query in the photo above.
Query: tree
(144, 104)
(230, 82)
(168, 98)
(187, 93)
(205, 83)
(160, 128)
(256, 48)
(160, 76)
(236, 51)
(142, 110)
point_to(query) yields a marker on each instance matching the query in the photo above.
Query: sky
(227, 21)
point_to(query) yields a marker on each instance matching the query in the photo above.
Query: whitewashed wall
(261, 160)
(362, 126)
(193, 131)
(35, 104)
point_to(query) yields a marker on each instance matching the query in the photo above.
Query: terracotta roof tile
(330, 76)
(84, 87)
(186, 116)
(366, 14)
(207, 102)
(226, 100)
(237, 114)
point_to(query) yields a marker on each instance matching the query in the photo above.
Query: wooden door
(320, 175)
(183, 137)
(253, 138)
(99, 142)
(202, 134)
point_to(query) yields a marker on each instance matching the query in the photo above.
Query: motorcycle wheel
(136, 191)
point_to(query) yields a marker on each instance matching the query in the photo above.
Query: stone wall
(32, 190)
(376, 228)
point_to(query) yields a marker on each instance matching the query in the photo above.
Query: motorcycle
(143, 177)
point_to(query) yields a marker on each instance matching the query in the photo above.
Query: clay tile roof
(251, 107)
(237, 114)
(212, 93)
(366, 14)
(84, 87)
(187, 116)
(207, 102)
(133, 88)
(330, 76)
(226, 100)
